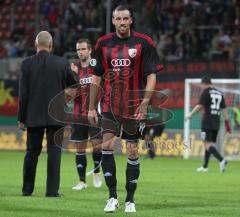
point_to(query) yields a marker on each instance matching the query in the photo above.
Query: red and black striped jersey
(124, 65)
(81, 101)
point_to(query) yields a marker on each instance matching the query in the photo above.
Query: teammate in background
(155, 131)
(151, 133)
(212, 101)
(81, 133)
(236, 117)
(130, 57)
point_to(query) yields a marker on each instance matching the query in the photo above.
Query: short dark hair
(121, 8)
(82, 40)
(206, 80)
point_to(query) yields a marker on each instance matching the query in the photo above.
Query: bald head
(44, 41)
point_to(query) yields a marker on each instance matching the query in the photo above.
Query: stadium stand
(182, 29)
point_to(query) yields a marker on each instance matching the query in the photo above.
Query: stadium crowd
(181, 29)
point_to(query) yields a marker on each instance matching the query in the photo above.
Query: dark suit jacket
(42, 77)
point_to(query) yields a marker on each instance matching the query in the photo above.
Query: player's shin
(132, 175)
(97, 157)
(81, 164)
(109, 171)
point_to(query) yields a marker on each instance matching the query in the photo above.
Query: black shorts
(209, 135)
(129, 129)
(154, 130)
(82, 132)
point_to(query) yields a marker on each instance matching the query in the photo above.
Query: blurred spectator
(52, 16)
(3, 51)
(236, 117)
(234, 50)
(220, 45)
(186, 27)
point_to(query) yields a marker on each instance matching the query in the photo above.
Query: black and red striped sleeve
(96, 62)
(151, 59)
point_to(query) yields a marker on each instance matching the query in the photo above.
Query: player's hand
(74, 68)
(71, 92)
(21, 126)
(227, 127)
(141, 111)
(93, 117)
(188, 117)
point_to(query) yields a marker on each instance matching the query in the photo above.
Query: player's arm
(71, 77)
(23, 96)
(151, 67)
(225, 114)
(94, 89)
(202, 101)
(72, 90)
(71, 93)
(196, 109)
(150, 86)
(98, 71)
(227, 125)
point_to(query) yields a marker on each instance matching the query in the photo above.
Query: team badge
(132, 52)
(93, 62)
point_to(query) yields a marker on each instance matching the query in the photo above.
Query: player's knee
(132, 150)
(97, 148)
(133, 154)
(80, 146)
(108, 141)
(108, 144)
(97, 145)
(208, 145)
(34, 152)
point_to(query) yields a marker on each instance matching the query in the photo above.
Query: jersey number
(216, 100)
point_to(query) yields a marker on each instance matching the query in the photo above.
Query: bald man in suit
(42, 77)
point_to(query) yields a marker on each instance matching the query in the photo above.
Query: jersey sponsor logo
(122, 73)
(93, 62)
(132, 52)
(116, 69)
(120, 62)
(83, 81)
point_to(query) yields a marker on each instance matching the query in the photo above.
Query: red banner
(8, 98)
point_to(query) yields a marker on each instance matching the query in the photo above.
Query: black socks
(81, 163)
(132, 174)
(109, 171)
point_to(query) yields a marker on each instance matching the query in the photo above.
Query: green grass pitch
(168, 187)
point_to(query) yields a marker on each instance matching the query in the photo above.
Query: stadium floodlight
(231, 90)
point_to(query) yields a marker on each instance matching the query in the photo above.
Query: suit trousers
(34, 147)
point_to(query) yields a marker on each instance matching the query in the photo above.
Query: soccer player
(236, 117)
(150, 134)
(122, 60)
(81, 133)
(212, 101)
